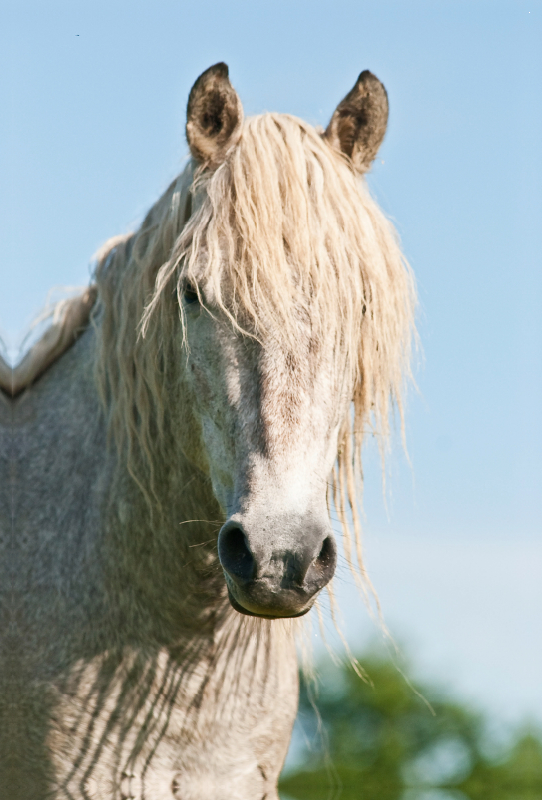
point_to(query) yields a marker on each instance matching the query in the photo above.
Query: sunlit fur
(282, 231)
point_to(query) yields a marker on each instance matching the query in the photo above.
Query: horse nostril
(322, 569)
(327, 557)
(235, 554)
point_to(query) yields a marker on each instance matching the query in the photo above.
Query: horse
(171, 450)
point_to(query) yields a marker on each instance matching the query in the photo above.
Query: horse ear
(359, 123)
(214, 116)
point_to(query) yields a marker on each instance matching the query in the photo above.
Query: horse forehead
(289, 389)
(282, 378)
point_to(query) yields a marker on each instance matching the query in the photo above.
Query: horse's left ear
(214, 116)
(359, 123)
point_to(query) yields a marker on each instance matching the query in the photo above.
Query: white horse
(169, 454)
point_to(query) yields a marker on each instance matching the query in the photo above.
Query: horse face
(268, 414)
(267, 436)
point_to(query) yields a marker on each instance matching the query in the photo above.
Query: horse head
(270, 367)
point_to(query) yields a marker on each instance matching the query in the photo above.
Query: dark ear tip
(221, 69)
(369, 79)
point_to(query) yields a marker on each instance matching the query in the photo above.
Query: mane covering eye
(190, 295)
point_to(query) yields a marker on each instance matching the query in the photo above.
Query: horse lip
(242, 610)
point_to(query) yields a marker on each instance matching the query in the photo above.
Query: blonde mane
(283, 227)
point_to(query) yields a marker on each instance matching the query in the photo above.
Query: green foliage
(387, 738)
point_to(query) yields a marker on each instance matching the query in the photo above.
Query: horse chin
(263, 614)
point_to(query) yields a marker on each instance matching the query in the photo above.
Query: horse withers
(170, 454)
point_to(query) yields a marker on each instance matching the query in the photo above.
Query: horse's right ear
(359, 123)
(214, 116)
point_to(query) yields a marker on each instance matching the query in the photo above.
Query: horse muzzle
(277, 575)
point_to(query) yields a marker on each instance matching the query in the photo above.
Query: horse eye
(190, 295)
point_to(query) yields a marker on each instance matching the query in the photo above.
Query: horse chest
(145, 725)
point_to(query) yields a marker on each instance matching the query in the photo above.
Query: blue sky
(92, 129)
